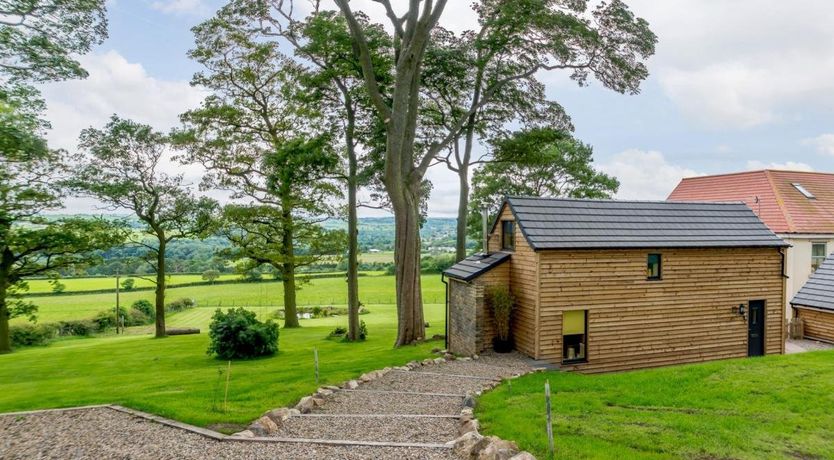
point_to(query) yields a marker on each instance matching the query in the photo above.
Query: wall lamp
(741, 309)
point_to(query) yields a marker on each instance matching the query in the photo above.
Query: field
(38, 286)
(772, 407)
(263, 296)
(174, 377)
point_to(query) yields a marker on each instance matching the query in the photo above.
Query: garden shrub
(137, 318)
(238, 334)
(78, 328)
(363, 330)
(27, 335)
(502, 301)
(145, 307)
(179, 305)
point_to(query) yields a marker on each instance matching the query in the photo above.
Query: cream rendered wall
(798, 263)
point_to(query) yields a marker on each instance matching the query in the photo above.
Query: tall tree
(260, 139)
(454, 76)
(39, 39)
(536, 162)
(31, 245)
(122, 165)
(530, 36)
(333, 77)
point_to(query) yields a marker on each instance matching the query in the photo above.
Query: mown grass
(174, 377)
(44, 286)
(325, 291)
(773, 407)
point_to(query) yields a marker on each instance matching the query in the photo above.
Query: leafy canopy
(536, 162)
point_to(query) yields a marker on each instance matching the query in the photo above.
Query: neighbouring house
(797, 206)
(607, 285)
(814, 303)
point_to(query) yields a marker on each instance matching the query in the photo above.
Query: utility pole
(117, 301)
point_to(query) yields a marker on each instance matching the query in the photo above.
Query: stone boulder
(523, 456)
(305, 405)
(497, 449)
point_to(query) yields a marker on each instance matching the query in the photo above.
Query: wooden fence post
(549, 418)
(316, 361)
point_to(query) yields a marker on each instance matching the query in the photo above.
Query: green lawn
(174, 377)
(43, 286)
(773, 407)
(325, 291)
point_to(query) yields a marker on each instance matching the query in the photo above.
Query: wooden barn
(607, 285)
(814, 303)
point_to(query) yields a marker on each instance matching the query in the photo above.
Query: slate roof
(780, 204)
(818, 292)
(476, 265)
(561, 223)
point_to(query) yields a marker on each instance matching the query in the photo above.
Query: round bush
(146, 307)
(238, 334)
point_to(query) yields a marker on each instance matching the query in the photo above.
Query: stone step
(484, 368)
(381, 428)
(371, 402)
(424, 382)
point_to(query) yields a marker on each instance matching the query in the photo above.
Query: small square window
(818, 253)
(653, 271)
(507, 235)
(575, 336)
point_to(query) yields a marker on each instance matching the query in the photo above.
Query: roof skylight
(804, 191)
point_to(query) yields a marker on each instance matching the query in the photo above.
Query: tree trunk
(288, 268)
(463, 211)
(5, 338)
(406, 205)
(160, 288)
(353, 234)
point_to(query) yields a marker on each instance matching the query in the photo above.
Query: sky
(735, 85)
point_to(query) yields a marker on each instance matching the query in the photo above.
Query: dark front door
(756, 328)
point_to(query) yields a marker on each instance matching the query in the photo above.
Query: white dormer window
(804, 191)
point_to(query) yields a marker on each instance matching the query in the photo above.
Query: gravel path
(99, 433)
(367, 402)
(103, 433)
(390, 428)
(425, 380)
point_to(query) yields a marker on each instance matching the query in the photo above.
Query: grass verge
(772, 407)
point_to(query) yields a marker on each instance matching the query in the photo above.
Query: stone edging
(473, 445)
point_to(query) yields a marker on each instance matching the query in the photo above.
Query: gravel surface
(391, 429)
(484, 367)
(421, 382)
(103, 433)
(359, 402)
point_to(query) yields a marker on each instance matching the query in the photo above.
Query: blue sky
(734, 85)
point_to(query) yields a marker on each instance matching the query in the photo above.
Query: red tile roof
(771, 195)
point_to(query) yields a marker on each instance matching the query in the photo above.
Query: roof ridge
(617, 200)
(780, 202)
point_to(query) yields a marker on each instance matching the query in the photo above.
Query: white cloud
(114, 86)
(645, 175)
(181, 6)
(746, 63)
(753, 165)
(824, 143)
(121, 87)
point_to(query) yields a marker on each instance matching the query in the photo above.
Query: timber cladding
(818, 324)
(687, 316)
(523, 277)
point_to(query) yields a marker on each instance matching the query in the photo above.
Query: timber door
(756, 328)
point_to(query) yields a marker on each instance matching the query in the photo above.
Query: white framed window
(818, 253)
